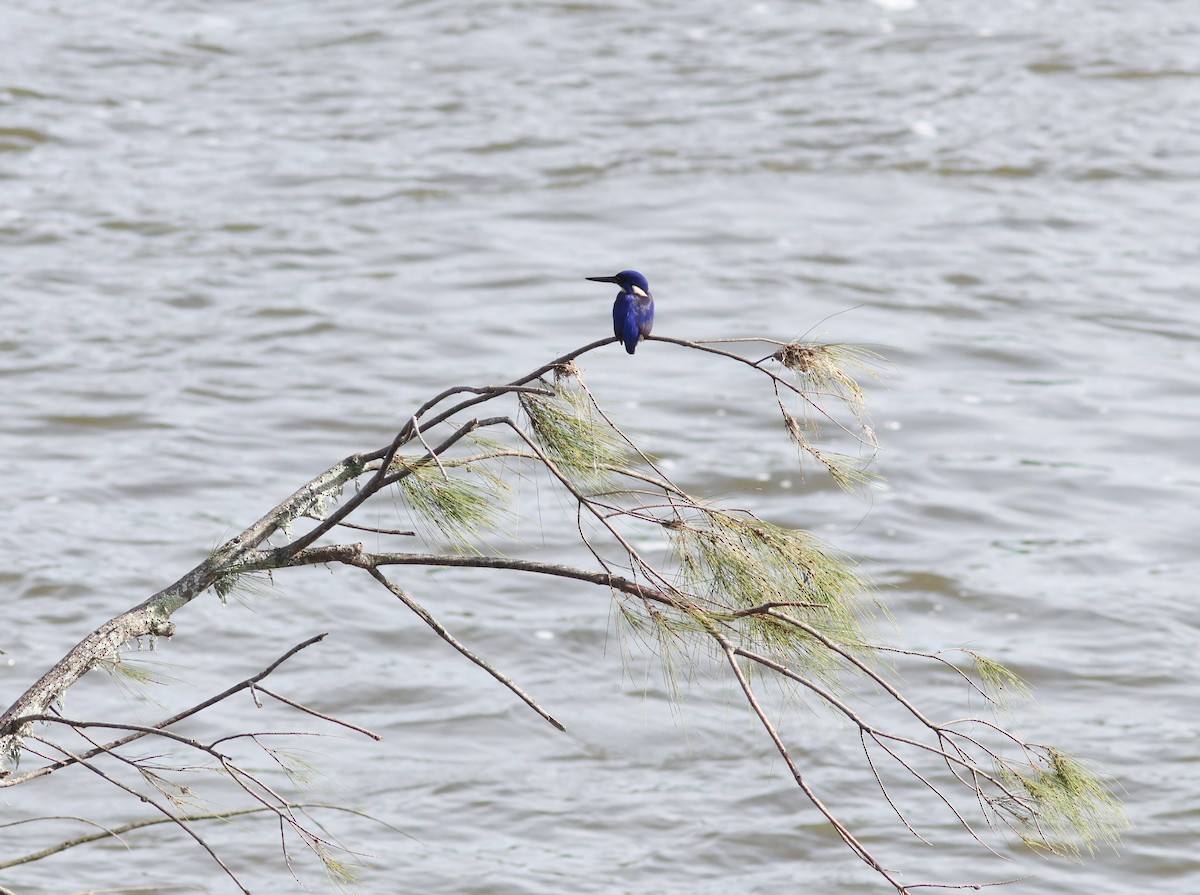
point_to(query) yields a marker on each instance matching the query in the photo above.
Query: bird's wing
(646, 323)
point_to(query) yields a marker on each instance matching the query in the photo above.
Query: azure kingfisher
(633, 311)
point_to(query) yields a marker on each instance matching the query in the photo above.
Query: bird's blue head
(629, 280)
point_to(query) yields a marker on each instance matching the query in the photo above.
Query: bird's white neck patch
(639, 292)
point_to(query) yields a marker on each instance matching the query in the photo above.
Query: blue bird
(633, 311)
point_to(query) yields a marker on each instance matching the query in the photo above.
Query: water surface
(244, 240)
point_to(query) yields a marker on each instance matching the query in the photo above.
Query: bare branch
(161, 725)
(311, 711)
(118, 831)
(142, 797)
(437, 627)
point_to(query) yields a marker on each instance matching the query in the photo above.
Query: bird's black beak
(602, 279)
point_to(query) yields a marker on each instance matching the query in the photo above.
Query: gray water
(243, 240)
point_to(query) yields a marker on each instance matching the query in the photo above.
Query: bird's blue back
(633, 318)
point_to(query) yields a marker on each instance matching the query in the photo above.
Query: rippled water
(243, 240)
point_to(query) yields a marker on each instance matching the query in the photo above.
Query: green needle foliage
(848, 472)
(1001, 684)
(1072, 808)
(243, 585)
(461, 504)
(580, 443)
(823, 374)
(743, 567)
(824, 369)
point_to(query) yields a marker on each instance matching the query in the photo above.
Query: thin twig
(765, 608)
(379, 531)
(140, 732)
(862, 736)
(140, 796)
(311, 711)
(416, 427)
(438, 629)
(731, 655)
(118, 831)
(804, 395)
